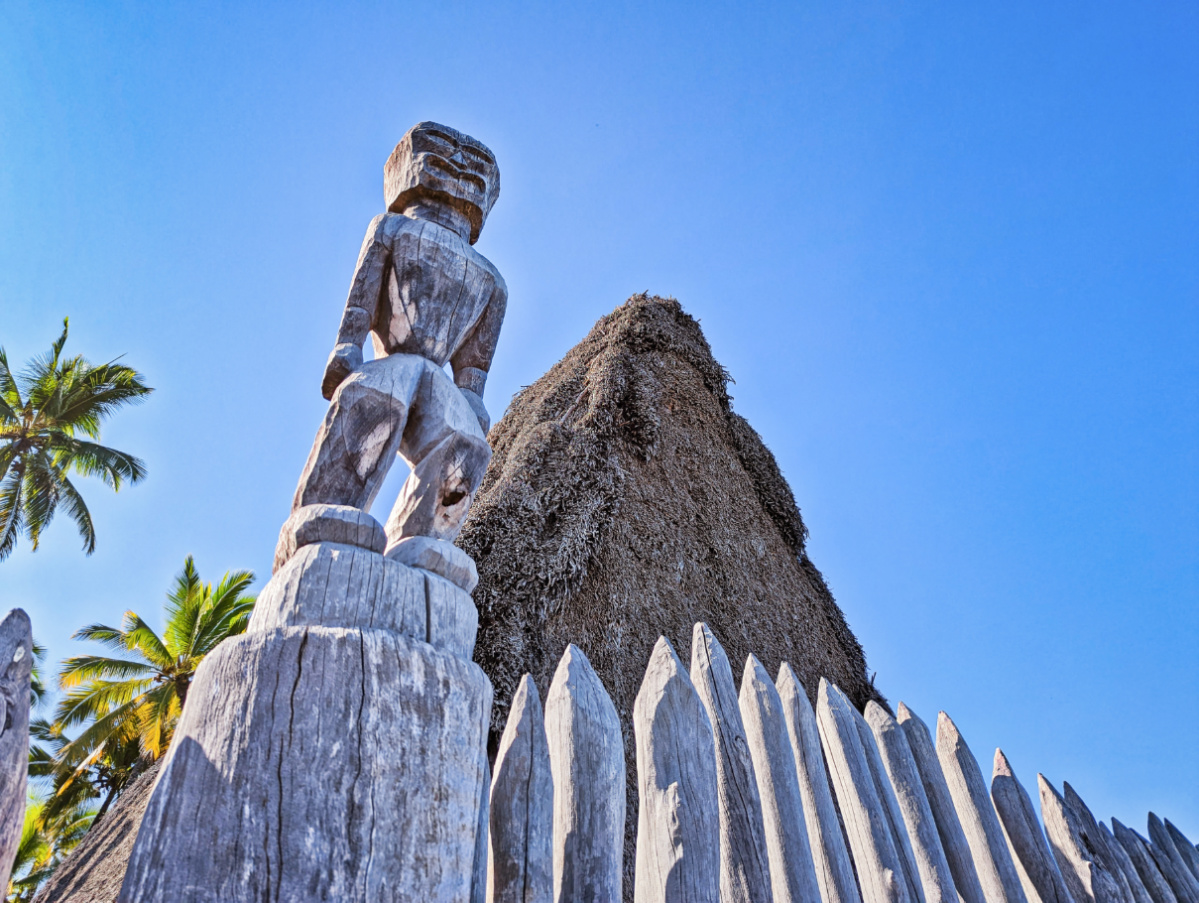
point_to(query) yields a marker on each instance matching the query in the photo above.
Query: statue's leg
(362, 432)
(448, 454)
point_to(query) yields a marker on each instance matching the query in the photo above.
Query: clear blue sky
(950, 253)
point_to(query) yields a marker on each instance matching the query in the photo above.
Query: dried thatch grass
(95, 869)
(626, 499)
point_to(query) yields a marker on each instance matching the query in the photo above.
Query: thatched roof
(626, 499)
(95, 869)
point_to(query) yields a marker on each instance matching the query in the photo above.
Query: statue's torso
(437, 288)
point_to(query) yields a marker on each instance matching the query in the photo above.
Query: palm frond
(142, 638)
(158, 715)
(10, 392)
(92, 459)
(101, 633)
(12, 510)
(184, 605)
(77, 511)
(90, 394)
(82, 668)
(97, 701)
(120, 724)
(41, 495)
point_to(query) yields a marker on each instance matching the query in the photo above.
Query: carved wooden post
(834, 871)
(792, 874)
(520, 866)
(1042, 880)
(988, 846)
(932, 867)
(1140, 893)
(1165, 843)
(880, 869)
(1151, 875)
(1077, 853)
(587, 763)
(336, 751)
(678, 822)
(16, 663)
(949, 827)
(744, 865)
(1097, 840)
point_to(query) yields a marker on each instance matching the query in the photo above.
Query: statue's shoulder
(501, 286)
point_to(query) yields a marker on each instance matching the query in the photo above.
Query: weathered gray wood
(988, 846)
(931, 865)
(880, 871)
(1170, 871)
(318, 763)
(16, 662)
(1039, 873)
(587, 762)
(437, 557)
(949, 827)
(1165, 843)
(478, 872)
(338, 585)
(425, 297)
(1076, 852)
(1186, 849)
(886, 796)
(834, 871)
(520, 864)
(744, 862)
(678, 821)
(1094, 836)
(328, 523)
(1140, 893)
(1138, 852)
(792, 872)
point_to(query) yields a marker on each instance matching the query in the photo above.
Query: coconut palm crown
(48, 414)
(133, 702)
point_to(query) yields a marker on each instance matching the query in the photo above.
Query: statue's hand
(344, 360)
(476, 405)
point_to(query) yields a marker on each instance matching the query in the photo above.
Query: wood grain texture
(1138, 852)
(1164, 843)
(1095, 838)
(879, 869)
(520, 864)
(16, 662)
(678, 818)
(328, 523)
(744, 862)
(792, 872)
(1039, 873)
(394, 731)
(886, 796)
(988, 846)
(931, 865)
(834, 870)
(1077, 853)
(940, 802)
(1186, 850)
(587, 762)
(1140, 893)
(438, 557)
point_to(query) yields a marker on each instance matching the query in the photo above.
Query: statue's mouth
(450, 169)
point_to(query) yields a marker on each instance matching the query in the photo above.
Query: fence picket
(587, 763)
(1038, 871)
(520, 860)
(678, 822)
(834, 870)
(744, 866)
(792, 873)
(931, 864)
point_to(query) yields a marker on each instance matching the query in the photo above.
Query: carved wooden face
(433, 160)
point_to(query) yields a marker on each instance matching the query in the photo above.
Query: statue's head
(435, 163)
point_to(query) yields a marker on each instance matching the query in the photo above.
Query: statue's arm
(472, 361)
(365, 290)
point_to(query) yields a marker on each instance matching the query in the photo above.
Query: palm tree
(42, 846)
(129, 706)
(44, 412)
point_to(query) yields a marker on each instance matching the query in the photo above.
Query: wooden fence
(754, 797)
